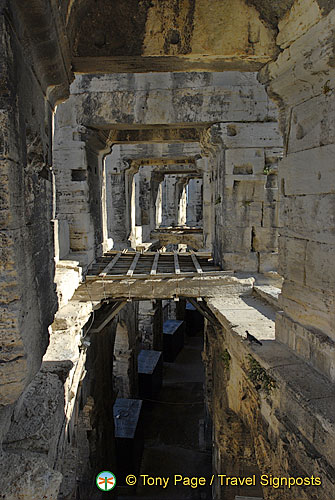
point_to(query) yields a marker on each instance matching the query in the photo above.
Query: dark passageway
(174, 429)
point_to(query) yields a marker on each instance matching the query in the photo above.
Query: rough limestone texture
(43, 403)
(24, 478)
(306, 180)
(283, 420)
(272, 414)
(27, 294)
(245, 199)
(169, 98)
(112, 101)
(194, 209)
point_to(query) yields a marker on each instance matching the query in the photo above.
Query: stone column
(73, 209)
(181, 201)
(146, 202)
(168, 201)
(247, 213)
(116, 201)
(155, 200)
(207, 202)
(151, 324)
(241, 182)
(302, 81)
(194, 203)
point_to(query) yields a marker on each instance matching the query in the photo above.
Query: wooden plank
(154, 264)
(196, 263)
(205, 311)
(158, 276)
(176, 263)
(115, 310)
(111, 264)
(132, 268)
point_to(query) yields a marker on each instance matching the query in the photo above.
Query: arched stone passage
(234, 35)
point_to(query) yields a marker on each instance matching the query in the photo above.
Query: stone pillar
(207, 202)
(181, 200)
(247, 213)
(169, 201)
(155, 200)
(116, 201)
(146, 202)
(126, 351)
(75, 167)
(151, 324)
(194, 203)
(242, 187)
(302, 80)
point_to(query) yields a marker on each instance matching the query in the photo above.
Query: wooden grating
(119, 265)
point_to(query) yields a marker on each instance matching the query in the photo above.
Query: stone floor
(173, 439)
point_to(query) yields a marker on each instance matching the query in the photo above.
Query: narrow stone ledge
(305, 397)
(268, 293)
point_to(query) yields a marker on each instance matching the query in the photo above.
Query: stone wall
(272, 414)
(245, 198)
(306, 179)
(28, 299)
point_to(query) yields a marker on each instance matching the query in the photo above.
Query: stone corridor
(167, 161)
(174, 429)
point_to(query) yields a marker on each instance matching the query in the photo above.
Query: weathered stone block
(313, 123)
(309, 172)
(309, 344)
(240, 214)
(320, 265)
(292, 258)
(268, 262)
(291, 76)
(273, 155)
(309, 217)
(28, 477)
(38, 418)
(146, 99)
(265, 239)
(305, 386)
(240, 261)
(302, 15)
(247, 161)
(248, 191)
(309, 306)
(236, 241)
(252, 135)
(270, 215)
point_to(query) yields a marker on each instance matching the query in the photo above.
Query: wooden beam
(203, 309)
(115, 310)
(196, 263)
(176, 263)
(111, 264)
(132, 268)
(161, 287)
(158, 276)
(154, 264)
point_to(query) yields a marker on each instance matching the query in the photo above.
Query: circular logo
(105, 481)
